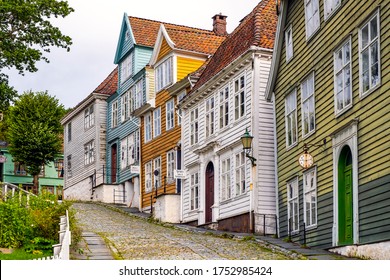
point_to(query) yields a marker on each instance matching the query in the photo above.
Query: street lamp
(246, 141)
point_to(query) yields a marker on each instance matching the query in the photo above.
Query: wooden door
(209, 193)
(113, 163)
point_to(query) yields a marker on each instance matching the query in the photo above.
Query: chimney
(219, 24)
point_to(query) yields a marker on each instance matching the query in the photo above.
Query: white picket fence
(61, 250)
(8, 189)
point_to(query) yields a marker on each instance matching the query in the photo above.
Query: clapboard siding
(316, 55)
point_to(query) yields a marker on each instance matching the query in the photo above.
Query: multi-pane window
(293, 205)
(69, 166)
(157, 122)
(164, 74)
(194, 126)
(126, 68)
(148, 127)
(20, 169)
(210, 116)
(69, 132)
(171, 160)
(124, 153)
(89, 117)
(308, 105)
(125, 106)
(157, 172)
(89, 152)
(226, 179)
(133, 145)
(239, 98)
(194, 187)
(114, 114)
(137, 92)
(240, 160)
(310, 197)
(224, 107)
(291, 119)
(179, 98)
(312, 16)
(330, 6)
(289, 43)
(342, 77)
(148, 176)
(369, 54)
(170, 114)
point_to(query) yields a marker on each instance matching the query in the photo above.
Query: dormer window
(164, 74)
(126, 69)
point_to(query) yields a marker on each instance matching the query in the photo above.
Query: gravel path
(135, 238)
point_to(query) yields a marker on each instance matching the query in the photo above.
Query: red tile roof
(110, 85)
(257, 29)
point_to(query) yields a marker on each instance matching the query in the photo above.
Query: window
(330, 6)
(310, 197)
(289, 43)
(164, 74)
(20, 169)
(308, 107)
(133, 146)
(148, 177)
(342, 77)
(136, 96)
(194, 187)
(369, 54)
(291, 119)
(157, 172)
(293, 205)
(179, 98)
(124, 153)
(114, 114)
(240, 173)
(194, 126)
(171, 159)
(239, 98)
(69, 132)
(89, 152)
(210, 116)
(170, 114)
(59, 166)
(126, 69)
(157, 122)
(125, 106)
(69, 166)
(312, 15)
(226, 182)
(148, 127)
(89, 117)
(224, 107)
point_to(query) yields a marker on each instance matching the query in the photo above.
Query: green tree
(26, 33)
(34, 131)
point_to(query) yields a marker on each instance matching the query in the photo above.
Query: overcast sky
(94, 28)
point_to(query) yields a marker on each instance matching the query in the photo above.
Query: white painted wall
(166, 208)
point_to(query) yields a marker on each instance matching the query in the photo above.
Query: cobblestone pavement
(130, 237)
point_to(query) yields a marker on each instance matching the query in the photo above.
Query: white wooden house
(222, 189)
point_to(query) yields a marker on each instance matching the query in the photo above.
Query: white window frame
(164, 74)
(308, 105)
(293, 205)
(156, 183)
(69, 131)
(291, 120)
(126, 68)
(125, 106)
(180, 111)
(148, 127)
(89, 152)
(114, 114)
(124, 154)
(239, 97)
(210, 116)
(170, 114)
(224, 95)
(171, 165)
(69, 166)
(194, 191)
(89, 117)
(226, 178)
(310, 197)
(289, 43)
(194, 126)
(371, 42)
(343, 66)
(240, 173)
(148, 177)
(138, 94)
(330, 6)
(312, 17)
(156, 122)
(133, 146)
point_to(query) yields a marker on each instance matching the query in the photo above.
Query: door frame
(209, 192)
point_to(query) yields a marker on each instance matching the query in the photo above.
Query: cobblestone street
(131, 237)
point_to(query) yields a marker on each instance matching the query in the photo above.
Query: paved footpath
(111, 233)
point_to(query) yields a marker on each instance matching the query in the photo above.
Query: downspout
(276, 166)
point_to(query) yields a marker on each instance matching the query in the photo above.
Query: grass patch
(22, 254)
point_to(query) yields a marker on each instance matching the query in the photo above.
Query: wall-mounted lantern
(246, 141)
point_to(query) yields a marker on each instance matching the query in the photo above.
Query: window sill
(371, 90)
(308, 134)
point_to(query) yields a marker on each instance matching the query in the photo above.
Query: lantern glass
(246, 140)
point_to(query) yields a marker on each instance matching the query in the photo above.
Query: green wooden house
(50, 179)
(330, 85)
